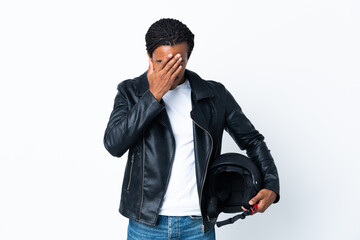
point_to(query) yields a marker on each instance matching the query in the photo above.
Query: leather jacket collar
(200, 89)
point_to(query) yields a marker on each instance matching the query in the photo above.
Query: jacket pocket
(131, 170)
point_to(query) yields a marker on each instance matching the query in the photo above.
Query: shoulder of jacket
(215, 86)
(128, 83)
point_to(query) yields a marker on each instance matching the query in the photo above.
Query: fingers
(264, 199)
(175, 67)
(176, 73)
(170, 64)
(151, 67)
(261, 206)
(256, 199)
(165, 61)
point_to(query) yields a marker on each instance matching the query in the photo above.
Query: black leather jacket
(139, 123)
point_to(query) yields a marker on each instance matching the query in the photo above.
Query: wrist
(156, 96)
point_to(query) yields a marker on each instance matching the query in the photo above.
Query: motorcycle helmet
(232, 180)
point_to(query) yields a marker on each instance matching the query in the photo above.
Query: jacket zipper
(131, 168)
(142, 187)
(202, 186)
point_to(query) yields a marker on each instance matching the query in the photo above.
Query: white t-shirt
(181, 196)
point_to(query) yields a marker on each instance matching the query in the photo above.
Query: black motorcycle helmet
(232, 181)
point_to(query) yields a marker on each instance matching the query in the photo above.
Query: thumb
(255, 199)
(151, 67)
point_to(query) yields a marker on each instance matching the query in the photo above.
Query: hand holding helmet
(264, 199)
(235, 184)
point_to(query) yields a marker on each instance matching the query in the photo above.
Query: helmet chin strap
(237, 217)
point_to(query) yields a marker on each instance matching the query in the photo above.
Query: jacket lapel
(200, 91)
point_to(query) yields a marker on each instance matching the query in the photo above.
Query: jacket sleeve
(248, 138)
(127, 124)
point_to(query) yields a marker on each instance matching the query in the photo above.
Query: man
(172, 122)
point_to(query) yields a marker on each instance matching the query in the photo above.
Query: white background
(293, 66)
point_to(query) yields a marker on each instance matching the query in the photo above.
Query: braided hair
(168, 31)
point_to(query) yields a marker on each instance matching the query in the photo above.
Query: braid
(168, 31)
